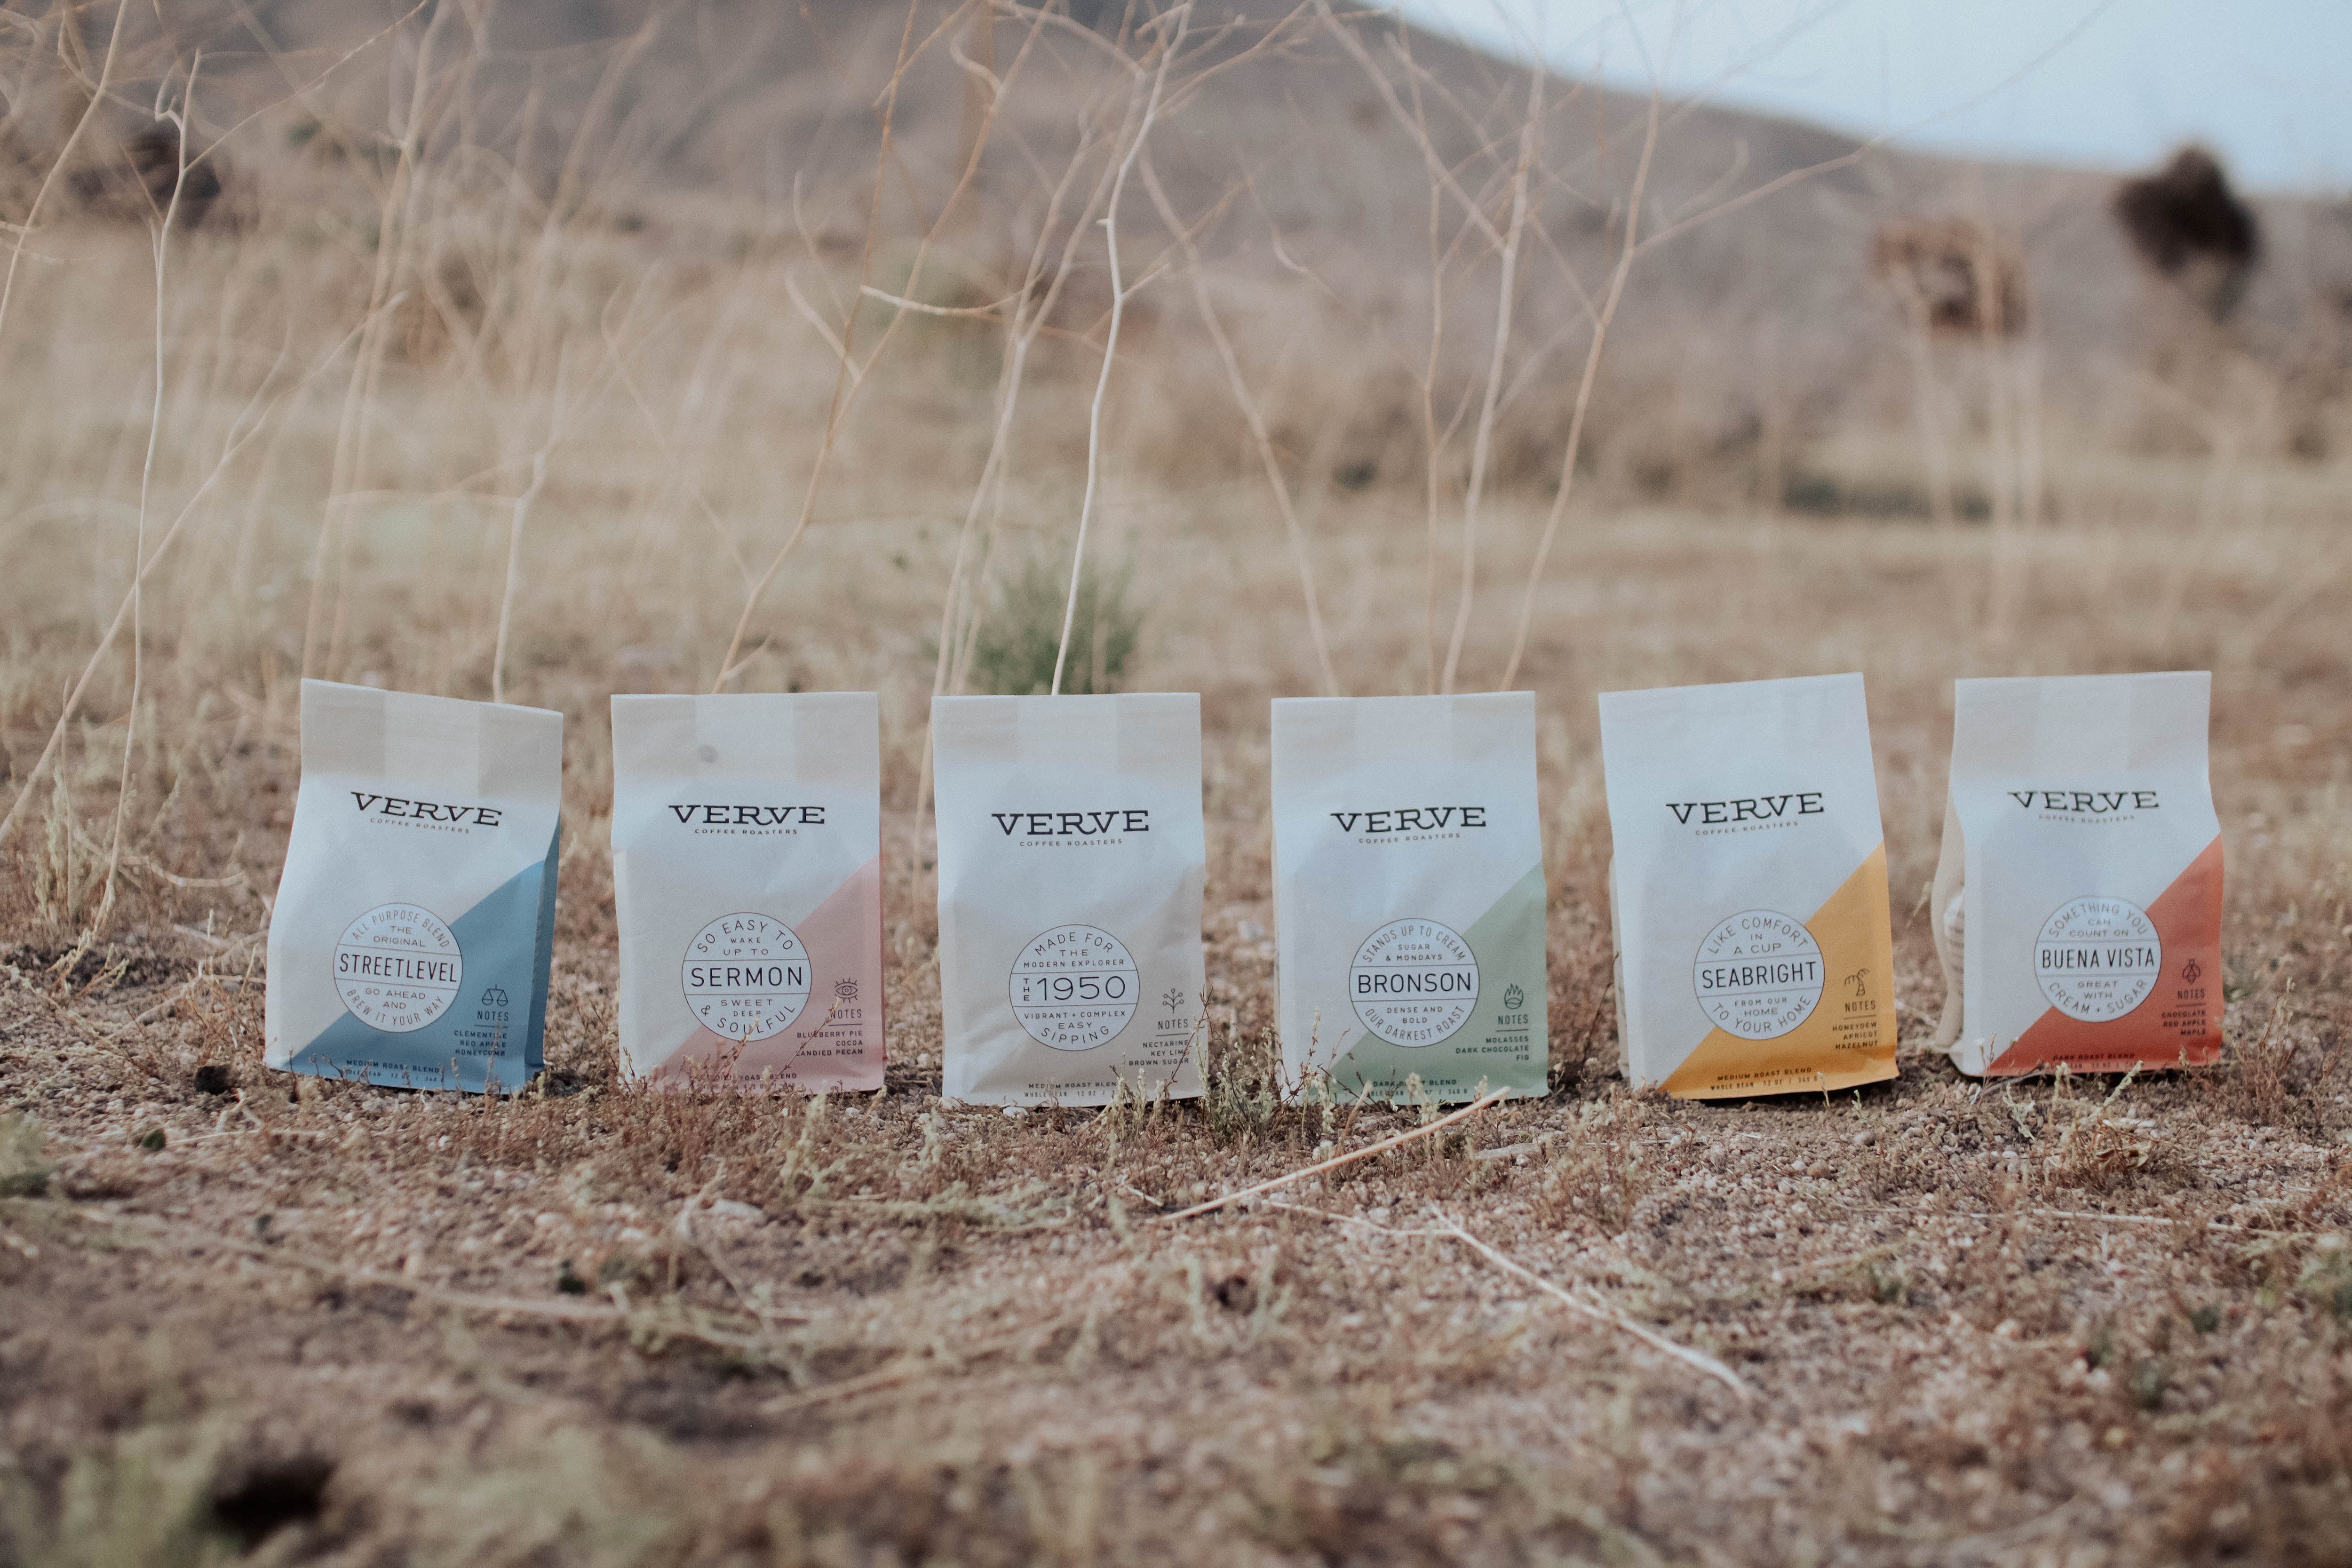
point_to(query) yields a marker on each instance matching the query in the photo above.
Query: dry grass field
(418, 403)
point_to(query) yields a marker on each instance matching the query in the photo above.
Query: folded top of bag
(472, 748)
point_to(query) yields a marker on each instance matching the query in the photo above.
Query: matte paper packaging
(1409, 894)
(747, 875)
(1071, 862)
(1748, 892)
(2078, 897)
(409, 944)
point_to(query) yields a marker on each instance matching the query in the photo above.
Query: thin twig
(1451, 1230)
(159, 250)
(989, 311)
(395, 218)
(1333, 1163)
(522, 515)
(1698, 1361)
(752, 1303)
(301, 90)
(1255, 419)
(848, 377)
(1482, 441)
(1584, 395)
(1183, 15)
(1441, 175)
(908, 1366)
(2091, 1216)
(1030, 314)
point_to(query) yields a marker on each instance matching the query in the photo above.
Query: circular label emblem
(1759, 974)
(398, 968)
(2098, 959)
(747, 976)
(1414, 983)
(1074, 987)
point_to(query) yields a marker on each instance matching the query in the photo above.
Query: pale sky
(2266, 83)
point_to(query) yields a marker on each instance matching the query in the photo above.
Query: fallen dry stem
(1696, 1360)
(1333, 1163)
(2094, 1216)
(908, 1365)
(1451, 1230)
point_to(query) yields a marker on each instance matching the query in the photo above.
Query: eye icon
(847, 990)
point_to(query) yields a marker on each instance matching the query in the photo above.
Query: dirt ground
(1936, 1321)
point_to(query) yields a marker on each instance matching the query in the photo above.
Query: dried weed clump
(2091, 1143)
(1593, 1168)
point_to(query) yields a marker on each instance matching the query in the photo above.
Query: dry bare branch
(1182, 15)
(1255, 419)
(1625, 254)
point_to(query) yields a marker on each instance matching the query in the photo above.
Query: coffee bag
(2078, 896)
(1071, 862)
(410, 942)
(1409, 894)
(1748, 891)
(747, 876)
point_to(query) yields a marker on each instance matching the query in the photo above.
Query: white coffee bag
(747, 876)
(1071, 862)
(1748, 892)
(2078, 896)
(410, 942)
(1409, 894)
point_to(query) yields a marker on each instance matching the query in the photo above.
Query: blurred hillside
(1789, 335)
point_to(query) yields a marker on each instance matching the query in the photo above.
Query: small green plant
(2147, 1382)
(1013, 650)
